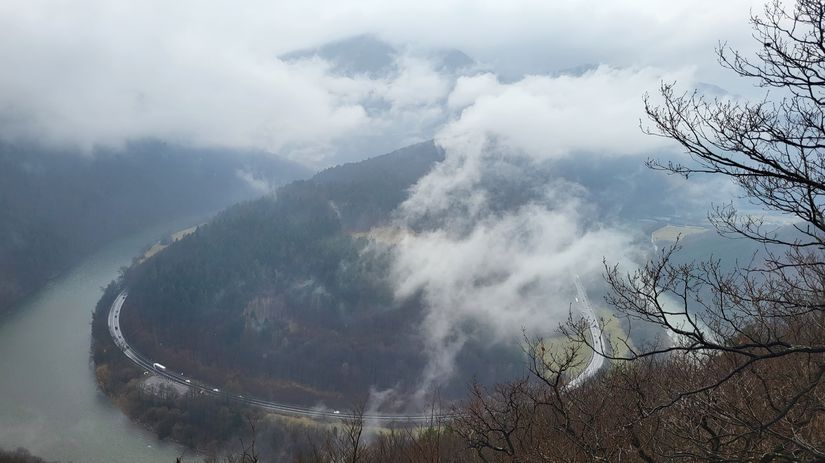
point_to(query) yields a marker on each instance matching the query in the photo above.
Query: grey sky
(98, 72)
(88, 73)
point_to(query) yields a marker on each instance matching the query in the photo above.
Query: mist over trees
(740, 375)
(283, 298)
(373, 284)
(55, 205)
(19, 455)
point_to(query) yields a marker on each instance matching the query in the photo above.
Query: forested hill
(57, 206)
(364, 193)
(279, 298)
(282, 297)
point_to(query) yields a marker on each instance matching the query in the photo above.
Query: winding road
(596, 363)
(596, 360)
(292, 410)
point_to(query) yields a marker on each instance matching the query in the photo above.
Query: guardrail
(595, 364)
(136, 357)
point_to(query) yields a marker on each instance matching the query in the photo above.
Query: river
(49, 400)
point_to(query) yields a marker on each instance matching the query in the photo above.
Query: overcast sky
(85, 73)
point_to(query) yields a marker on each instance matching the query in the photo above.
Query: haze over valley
(425, 231)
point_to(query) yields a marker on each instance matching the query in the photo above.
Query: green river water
(49, 401)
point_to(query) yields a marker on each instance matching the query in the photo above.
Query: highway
(596, 361)
(201, 387)
(595, 364)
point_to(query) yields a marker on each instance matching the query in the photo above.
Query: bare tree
(753, 337)
(742, 376)
(352, 442)
(344, 443)
(248, 453)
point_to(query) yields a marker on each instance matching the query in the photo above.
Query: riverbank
(204, 424)
(49, 399)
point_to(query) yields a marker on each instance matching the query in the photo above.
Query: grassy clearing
(556, 346)
(186, 231)
(613, 332)
(326, 424)
(671, 232)
(158, 246)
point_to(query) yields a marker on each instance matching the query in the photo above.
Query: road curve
(293, 410)
(595, 364)
(597, 360)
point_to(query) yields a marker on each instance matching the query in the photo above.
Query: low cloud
(547, 117)
(489, 243)
(70, 85)
(539, 119)
(509, 273)
(255, 182)
(92, 73)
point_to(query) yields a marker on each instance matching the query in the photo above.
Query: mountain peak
(357, 55)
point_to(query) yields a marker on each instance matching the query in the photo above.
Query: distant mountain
(368, 55)
(453, 61)
(712, 90)
(57, 206)
(362, 54)
(395, 120)
(578, 70)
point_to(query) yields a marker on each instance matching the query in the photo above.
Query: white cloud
(548, 117)
(255, 183)
(512, 268)
(508, 273)
(539, 118)
(469, 88)
(417, 84)
(93, 72)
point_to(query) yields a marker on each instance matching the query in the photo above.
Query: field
(159, 246)
(671, 232)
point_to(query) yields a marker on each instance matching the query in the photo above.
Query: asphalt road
(201, 387)
(596, 363)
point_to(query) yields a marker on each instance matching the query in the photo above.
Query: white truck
(158, 367)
